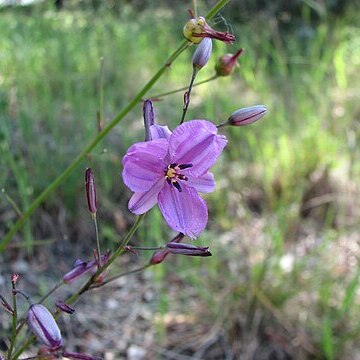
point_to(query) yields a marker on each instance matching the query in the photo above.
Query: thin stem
(195, 7)
(12, 202)
(27, 343)
(59, 284)
(120, 275)
(144, 248)
(155, 97)
(222, 124)
(188, 94)
(97, 240)
(14, 321)
(101, 96)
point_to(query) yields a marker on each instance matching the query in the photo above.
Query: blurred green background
(283, 282)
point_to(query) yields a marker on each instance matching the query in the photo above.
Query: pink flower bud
(43, 324)
(197, 29)
(189, 250)
(158, 257)
(90, 191)
(80, 356)
(247, 115)
(149, 118)
(226, 63)
(202, 54)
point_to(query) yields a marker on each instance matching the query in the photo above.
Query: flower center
(172, 174)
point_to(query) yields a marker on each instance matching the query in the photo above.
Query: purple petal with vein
(144, 164)
(140, 203)
(184, 211)
(204, 183)
(160, 132)
(196, 142)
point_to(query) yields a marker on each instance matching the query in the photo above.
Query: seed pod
(90, 191)
(43, 324)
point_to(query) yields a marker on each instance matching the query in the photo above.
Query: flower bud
(197, 29)
(158, 257)
(44, 326)
(80, 356)
(247, 115)
(202, 54)
(149, 118)
(226, 63)
(81, 268)
(90, 191)
(64, 307)
(189, 250)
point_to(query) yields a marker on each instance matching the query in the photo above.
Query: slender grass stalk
(100, 114)
(12, 202)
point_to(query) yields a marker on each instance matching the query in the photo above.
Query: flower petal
(198, 143)
(160, 132)
(140, 203)
(184, 211)
(144, 164)
(204, 183)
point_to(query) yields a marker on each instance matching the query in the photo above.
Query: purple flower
(171, 169)
(44, 326)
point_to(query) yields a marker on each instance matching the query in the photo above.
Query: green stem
(188, 95)
(14, 322)
(120, 275)
(97, 240)
(183, 88)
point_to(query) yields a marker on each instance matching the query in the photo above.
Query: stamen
(177, 185)
(184, 166)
